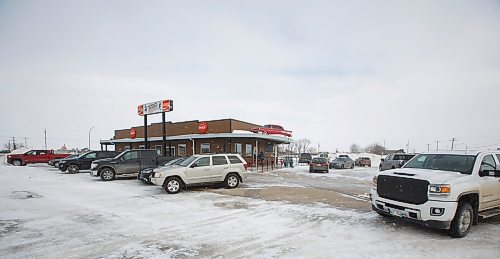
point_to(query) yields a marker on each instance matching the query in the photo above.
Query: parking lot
(285, 213)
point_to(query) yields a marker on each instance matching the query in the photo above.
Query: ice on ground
(78, 216)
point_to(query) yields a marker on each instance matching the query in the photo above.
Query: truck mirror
(382, 160)
(194, 165)
(489, 173)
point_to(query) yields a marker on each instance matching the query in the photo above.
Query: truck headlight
(375, 180)
(439, 189)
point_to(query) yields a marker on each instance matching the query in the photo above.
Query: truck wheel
(56, 164)
(232, 181)
(172, 185)
(462, 221)
(352, 166)
(107, 174)
(73, 169)
(17, 162)
(341, 166)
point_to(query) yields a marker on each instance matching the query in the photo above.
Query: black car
(55, 162)
(83, 162)
(145, 174)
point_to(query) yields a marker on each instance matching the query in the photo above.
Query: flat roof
(283, 140)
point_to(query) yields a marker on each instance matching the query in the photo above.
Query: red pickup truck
(33, 156)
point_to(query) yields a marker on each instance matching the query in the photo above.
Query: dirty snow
(47, 214)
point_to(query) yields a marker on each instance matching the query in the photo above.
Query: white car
(229, 169)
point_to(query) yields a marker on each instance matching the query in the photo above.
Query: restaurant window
(248, 150)
(205, 148)
(237, 148)
(182, 149)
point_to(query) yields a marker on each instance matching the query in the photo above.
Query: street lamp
(89, 135)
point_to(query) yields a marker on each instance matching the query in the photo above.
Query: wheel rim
(16, 163)
(465, 220)
(232, 181)
(173, 185)
(73, 169)
(107, 174)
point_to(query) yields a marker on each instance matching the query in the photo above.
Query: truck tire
(461, 223)
(17, 162)
(107, 174)
(73, 169)
(232, 181)
(172, 185)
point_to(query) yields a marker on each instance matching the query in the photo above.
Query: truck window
(131, 155)
(234, 160)
(488, 163)
(443, 162)
(498, 157)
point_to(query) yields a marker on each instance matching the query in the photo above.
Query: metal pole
(45, 133)
(164, 134)
(90, 130)
(146, 132)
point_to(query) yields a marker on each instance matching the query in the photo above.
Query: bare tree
(375, 148)
(303, 145)
(355, 148)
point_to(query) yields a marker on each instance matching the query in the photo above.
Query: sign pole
(164, 129)
(146, 131)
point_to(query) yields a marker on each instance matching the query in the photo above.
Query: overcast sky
(335, 72)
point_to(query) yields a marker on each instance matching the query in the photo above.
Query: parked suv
(318, 164)
(84, 161)
(126, 163)
(445, 190)
(305, 158)
(363, 161)
(229, 169)
(395, 160)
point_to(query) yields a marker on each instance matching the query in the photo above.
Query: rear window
(234, 160)
(319, 160)
(219, 160)
(498, 157)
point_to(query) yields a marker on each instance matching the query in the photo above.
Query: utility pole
(89, 136)
(45, 133)
(14, 142)
(428, 147)
(408, 147)
(9, 146)
(437, 145)
(25, 143)
(452, 142)
(318, 147)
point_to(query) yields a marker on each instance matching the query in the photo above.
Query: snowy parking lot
(286, 213)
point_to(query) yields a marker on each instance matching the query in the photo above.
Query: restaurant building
(195, 137)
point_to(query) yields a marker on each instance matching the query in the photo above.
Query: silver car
(342, 162)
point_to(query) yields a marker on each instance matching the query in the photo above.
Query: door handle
(226, 167)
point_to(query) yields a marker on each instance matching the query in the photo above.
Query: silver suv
(229, 169)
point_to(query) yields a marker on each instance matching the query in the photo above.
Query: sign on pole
(155, 107)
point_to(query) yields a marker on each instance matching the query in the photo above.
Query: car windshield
(340, 159)
(179, 161)
(443, 162)
(188, 161)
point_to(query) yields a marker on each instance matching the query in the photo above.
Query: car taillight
(325, 164)
(246, 166)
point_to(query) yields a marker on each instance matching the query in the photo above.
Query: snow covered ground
(48, 214)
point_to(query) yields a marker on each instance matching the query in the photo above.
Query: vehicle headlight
(439, 189)
(375, 180)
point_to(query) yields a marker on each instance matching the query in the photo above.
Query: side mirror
(382, 160)
(194, 165)
(489, 173)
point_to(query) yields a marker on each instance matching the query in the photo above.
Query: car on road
(363, 161)
(145, 174)
(84, 161)
(318, 164)
(228, 169)
(342, 163)
(305, 158)
(394, 160)
(33, 156)
(450, 190)
(129, 162)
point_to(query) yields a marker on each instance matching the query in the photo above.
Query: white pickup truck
(443, 189)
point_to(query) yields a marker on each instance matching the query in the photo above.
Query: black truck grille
(402, 189)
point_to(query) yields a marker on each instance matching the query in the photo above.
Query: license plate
(398, 213)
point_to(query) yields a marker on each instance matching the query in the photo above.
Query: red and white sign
(203, 127)
(155, 107)
(133, 133)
